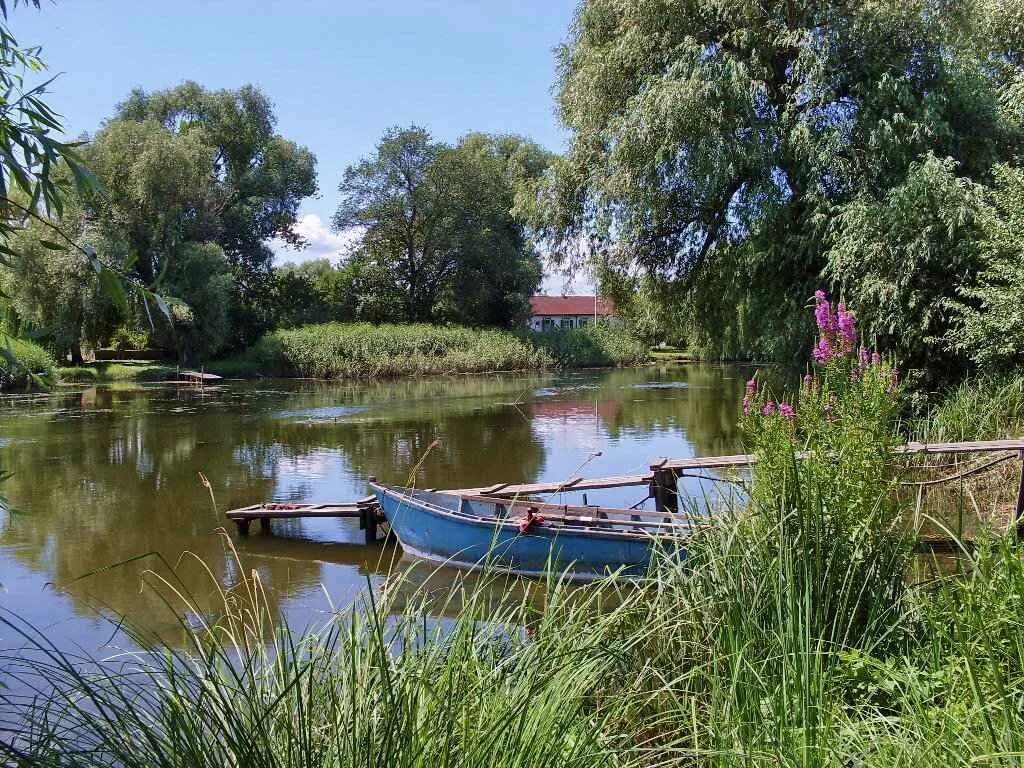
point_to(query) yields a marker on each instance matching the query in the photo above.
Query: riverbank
(360, 351)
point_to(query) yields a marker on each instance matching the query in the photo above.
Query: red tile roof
(570, 305)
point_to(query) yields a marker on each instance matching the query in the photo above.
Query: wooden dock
(661, 480)
(365, 510)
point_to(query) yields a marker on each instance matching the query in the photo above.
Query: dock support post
(243, 526)
(369, 520)
(1018, 516)
(664, 488)
(265, 525)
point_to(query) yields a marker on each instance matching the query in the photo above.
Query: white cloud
(323, 242)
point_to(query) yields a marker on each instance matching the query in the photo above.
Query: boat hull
(426, 529)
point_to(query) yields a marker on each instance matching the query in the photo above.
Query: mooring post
(369, 519)
(1018, 515)
(664, 487)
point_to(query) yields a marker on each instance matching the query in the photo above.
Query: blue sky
(339, 73)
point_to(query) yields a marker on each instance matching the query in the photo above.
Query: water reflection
(106, 475)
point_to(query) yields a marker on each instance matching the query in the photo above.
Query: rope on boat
(960, 475)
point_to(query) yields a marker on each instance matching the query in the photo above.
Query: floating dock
(661, 481)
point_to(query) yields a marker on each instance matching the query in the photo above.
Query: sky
(338, 73)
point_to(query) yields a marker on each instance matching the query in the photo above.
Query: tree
(257, 179)
(438, 231)
(989, 314)
(714, 143)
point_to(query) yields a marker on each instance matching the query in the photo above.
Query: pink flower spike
(787, 412)
(876, 359)
(823, 351)
(846, 322)
(822, 312)
(768, 409)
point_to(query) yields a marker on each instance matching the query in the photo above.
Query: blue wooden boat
(525, 536)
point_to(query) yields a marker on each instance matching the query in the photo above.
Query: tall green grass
(982, 408)
(362, 350)
(592, 346)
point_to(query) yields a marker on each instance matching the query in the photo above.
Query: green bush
(125, 338)
(24, 364)
(594, 345)
(361, 350)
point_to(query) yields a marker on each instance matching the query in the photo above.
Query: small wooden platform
(365, 510)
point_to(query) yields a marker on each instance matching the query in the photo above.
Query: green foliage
(201, 324)
(107, 372)
(986, 408)
(314, 292)
(361, 350)
(439, 241)
(24, 364)
(594, 345)
(124, 338)
(894, 257)
(738, 151)
(990, 322)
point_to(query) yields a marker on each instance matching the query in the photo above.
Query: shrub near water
(338, 350)
(594, 345)
(23, 363)
(362, 350)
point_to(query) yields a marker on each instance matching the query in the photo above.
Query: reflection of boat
(524, 536)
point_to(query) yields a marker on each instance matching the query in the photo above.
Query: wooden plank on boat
(507, 491)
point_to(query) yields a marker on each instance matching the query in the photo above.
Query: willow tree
(716, 144)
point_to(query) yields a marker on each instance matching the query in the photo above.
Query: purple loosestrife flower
(786, 411)
(846, 323)
(823, 350)
(822, 311)
(876, 359)
(748, 397)
(768, 409)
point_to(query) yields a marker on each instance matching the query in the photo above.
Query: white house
(549, 312)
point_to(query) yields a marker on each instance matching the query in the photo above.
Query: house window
(583, 322)
(567, 322)
(546, 323)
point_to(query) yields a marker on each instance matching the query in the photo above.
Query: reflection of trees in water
(115, 476)
(475, 447)
(699, 399)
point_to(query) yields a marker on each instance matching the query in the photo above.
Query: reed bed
(362, 350)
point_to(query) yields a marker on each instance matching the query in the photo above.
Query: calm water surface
(106, 475)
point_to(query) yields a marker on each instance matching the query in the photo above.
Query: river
(107, 485)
